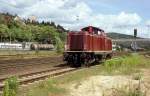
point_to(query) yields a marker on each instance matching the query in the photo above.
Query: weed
(137, 76)
(127, 91)
(11, 87)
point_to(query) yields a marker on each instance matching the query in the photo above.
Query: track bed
(22, 66)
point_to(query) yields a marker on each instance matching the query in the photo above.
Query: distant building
(32, 18)
(116, 47)
(17, 18)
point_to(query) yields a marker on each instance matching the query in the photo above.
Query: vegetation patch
(45, 88)
(126, 64)
(131, 91)
(11, 87)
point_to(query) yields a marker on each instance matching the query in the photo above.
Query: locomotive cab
(93, 30)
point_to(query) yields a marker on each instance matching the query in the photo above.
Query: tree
(59, 45)
(28, 34)
(13, 30)
(3, 31)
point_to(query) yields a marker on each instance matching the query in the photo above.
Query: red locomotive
(89, 45)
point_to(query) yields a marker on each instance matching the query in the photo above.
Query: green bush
(11, 87)
(59, 45)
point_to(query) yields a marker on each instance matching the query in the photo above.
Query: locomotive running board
(90, 51)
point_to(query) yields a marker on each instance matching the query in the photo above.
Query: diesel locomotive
(89, 45)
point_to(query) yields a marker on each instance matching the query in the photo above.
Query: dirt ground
(110, 85)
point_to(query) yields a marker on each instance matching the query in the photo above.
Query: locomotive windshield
(92, 30)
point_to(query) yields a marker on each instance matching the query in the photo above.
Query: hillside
(119, 36)
(127, 44)
(15, 29)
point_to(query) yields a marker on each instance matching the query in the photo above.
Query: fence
(14, 46)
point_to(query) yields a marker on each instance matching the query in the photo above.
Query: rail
(26, 79)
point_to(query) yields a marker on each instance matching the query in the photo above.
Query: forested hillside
(119, 36)
(15, 29)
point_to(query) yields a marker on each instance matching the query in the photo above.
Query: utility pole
(135, 36)
(135, 33)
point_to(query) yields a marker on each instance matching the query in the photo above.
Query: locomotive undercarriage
(78, 59)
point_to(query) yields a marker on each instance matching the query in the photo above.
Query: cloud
(121, 19)
(147, 23)
(19, 3)
(72, 14)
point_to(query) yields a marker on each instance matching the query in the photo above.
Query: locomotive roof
(94, 28)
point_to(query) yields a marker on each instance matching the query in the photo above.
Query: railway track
(26, 79)
(14, 65)
(25, 61)
(25, 64)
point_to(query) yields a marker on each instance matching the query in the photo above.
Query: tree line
(12, 30)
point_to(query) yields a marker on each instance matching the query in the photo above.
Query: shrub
(11, 87)
(59, 45)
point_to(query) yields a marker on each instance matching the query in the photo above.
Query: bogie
(83, 59)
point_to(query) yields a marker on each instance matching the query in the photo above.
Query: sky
(120, 16)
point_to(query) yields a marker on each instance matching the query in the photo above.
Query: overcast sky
(120, 16)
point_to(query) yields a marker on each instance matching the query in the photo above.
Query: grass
(125, 92)
(126, 64)
(131, 91)
(122, 66)
(45, 88)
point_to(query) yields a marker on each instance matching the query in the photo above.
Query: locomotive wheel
(108, 56)
(76, 60)
(98, 58)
